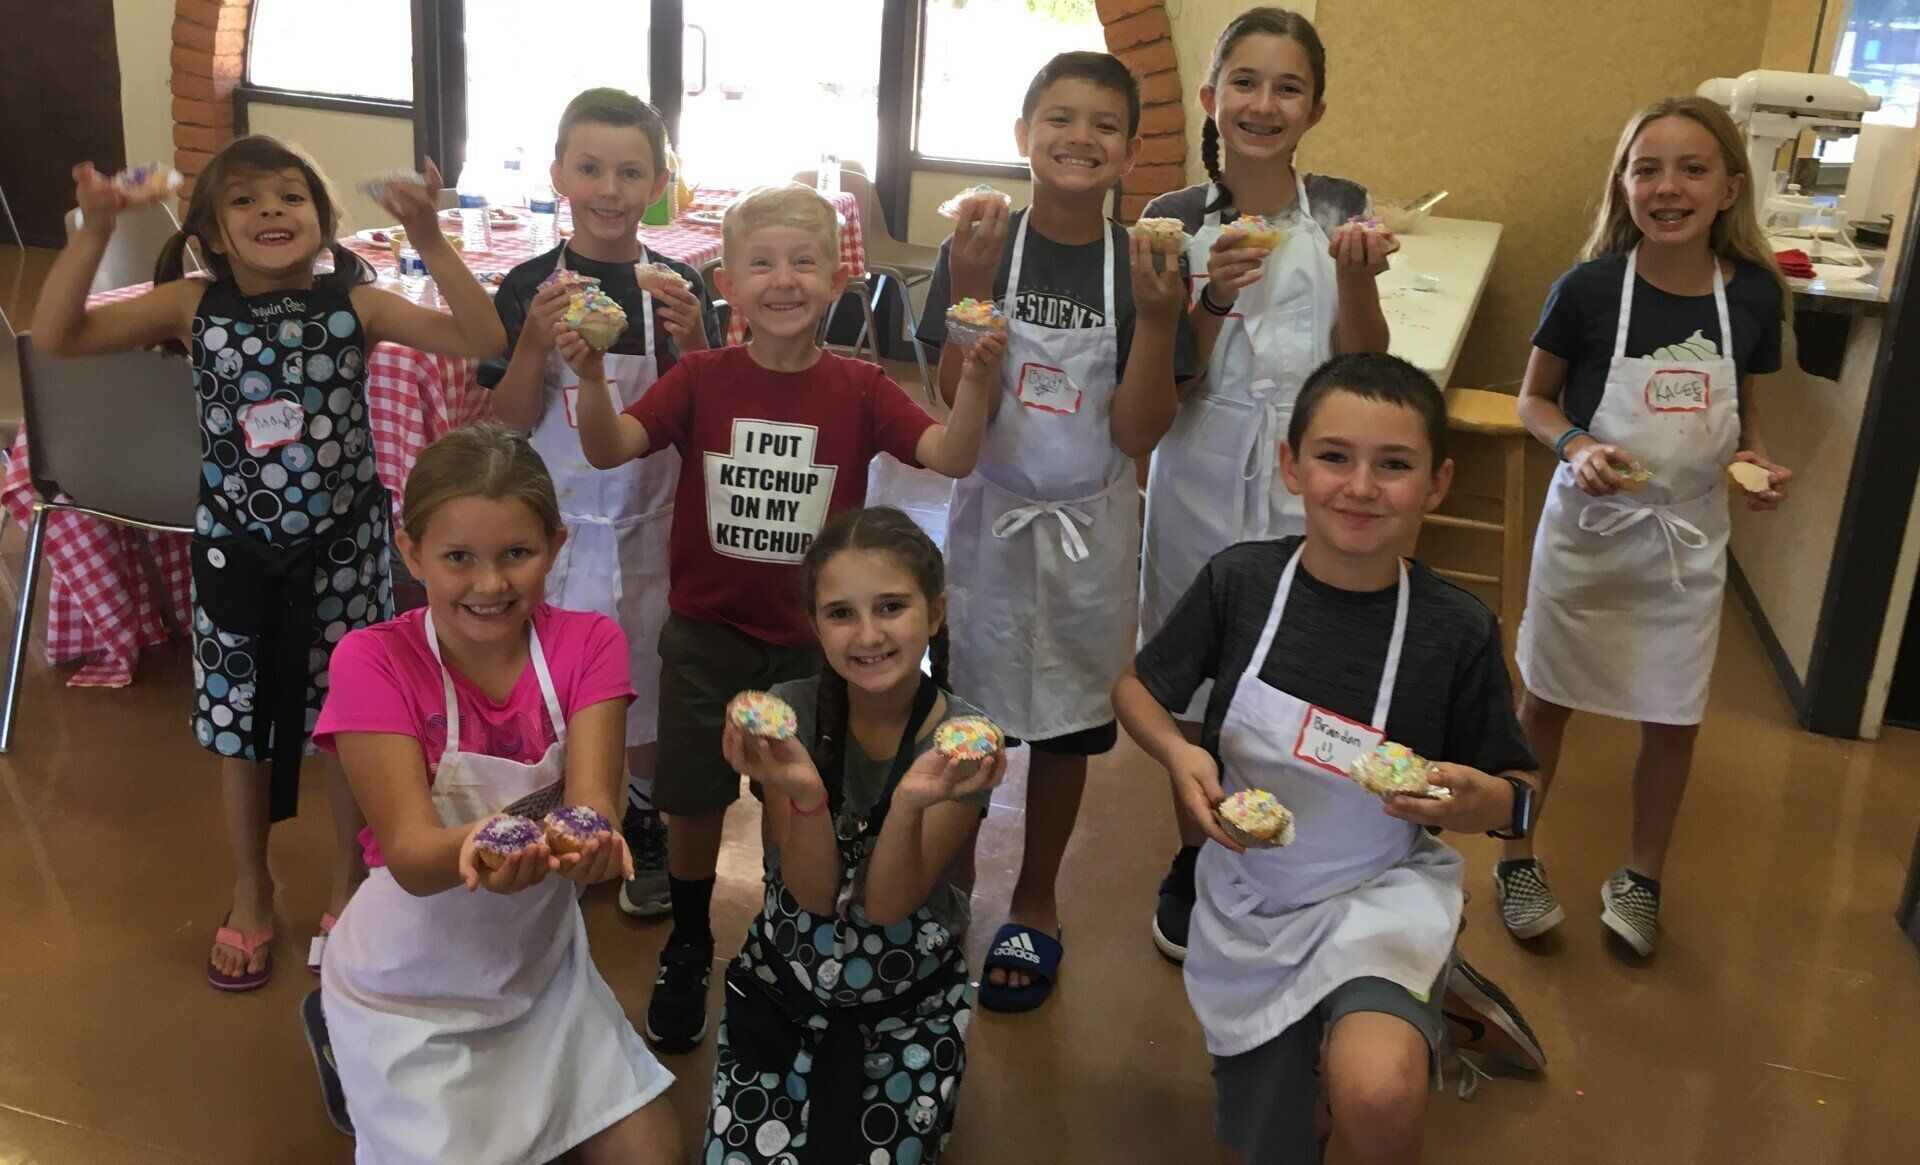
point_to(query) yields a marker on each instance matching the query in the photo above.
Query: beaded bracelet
(1559, 447)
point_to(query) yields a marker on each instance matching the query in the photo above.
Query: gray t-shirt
(1452, 700)
(866, 776)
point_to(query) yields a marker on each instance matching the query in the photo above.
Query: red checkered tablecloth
(101, 608)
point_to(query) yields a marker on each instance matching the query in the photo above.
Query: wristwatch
(1522, 823)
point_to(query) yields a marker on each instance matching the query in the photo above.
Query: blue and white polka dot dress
(286, 449)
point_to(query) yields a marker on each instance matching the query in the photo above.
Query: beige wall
(347, 146)
(143, 31)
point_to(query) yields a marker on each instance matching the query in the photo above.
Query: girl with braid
(1283, 266)
(851, 988)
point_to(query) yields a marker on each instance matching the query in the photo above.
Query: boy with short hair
(773, 437)
(1043, 541)
(1319, 649)
(609, 163)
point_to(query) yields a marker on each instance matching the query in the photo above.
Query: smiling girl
(291, 531)
(1640, 380)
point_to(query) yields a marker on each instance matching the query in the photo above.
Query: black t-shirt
(1060, 287)
(1583, 312)
(1451, 702)
(515, 299)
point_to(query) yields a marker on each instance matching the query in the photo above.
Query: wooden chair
(1494, 415)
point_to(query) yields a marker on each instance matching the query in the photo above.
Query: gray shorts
(1265, 1099)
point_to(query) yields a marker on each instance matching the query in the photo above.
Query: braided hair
(1255, 22)
(880, 530)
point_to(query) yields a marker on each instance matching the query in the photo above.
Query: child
(610, 163)
(1045, 538)
(290, 544)
(773, 437)
(1320, 648)
(1643, 361)
(467, 1026)
(857, 954)
(1262, 320)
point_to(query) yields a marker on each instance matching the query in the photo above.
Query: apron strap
(1071, 543)
(1388, 674)
(923, 698)
(1626, 307)
(536, 656)
(1019, 256)
(1612, 515)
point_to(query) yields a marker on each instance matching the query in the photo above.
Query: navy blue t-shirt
(1583, 311)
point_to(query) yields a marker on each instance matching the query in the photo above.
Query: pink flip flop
(246, 944)
(327, 922)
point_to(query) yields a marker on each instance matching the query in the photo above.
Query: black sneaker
(1480, 1018)
(677, 1013)
(1175, 911)
(645, 894)
(1630, 906)
(1527, 904)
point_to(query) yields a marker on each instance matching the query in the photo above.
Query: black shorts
(1095, 741)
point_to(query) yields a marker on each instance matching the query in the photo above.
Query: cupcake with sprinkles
(571, 827)
(1256, 819)
(1394, 768)
(655, 278)
(969, 740)
(596, 317)
(502, 838)
(763, 714)
(973, 320)
(1263, 234)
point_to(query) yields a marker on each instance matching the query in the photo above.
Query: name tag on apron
(1330, 741)
(1049, 389)
(271, 424)
(1679, 390)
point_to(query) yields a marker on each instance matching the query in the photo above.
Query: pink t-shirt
(385, 679)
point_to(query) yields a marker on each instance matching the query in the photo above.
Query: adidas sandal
(313, 1017)
(1024, 949)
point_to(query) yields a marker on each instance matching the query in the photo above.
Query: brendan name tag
(1332, 742)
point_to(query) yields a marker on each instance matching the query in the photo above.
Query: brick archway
(210, 46)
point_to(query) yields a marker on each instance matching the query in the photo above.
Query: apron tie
(1623, 515)
(1264, 457)
(1071, 543)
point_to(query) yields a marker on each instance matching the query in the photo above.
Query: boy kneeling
(1321, 648)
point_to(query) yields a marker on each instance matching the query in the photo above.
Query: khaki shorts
(702, 666)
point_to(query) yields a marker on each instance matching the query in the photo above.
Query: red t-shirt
(765, 457)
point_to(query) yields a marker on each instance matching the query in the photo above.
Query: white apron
(1043, 540)
(1623, 605)
(472, 1026)
(618, 521)
(1357, 894)
(1215, 478)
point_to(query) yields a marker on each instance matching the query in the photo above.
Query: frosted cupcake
(969, 740)
(571, 827)
(1635, 477)
(1262, 233)
(763, 714)
(143, 185)
(952, 207)
(1255, 818)
(1167, 236)
(503, 837)
(593, 313)
(973, 320)
(655, 278)
(1394, 768)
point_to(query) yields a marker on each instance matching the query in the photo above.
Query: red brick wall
(209, 58)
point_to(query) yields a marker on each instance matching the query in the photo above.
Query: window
(1879, 50)
(345, 48)
(977, 57)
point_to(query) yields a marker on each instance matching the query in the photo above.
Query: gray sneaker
(1527, 904)
(1630, 906)
(645, 894)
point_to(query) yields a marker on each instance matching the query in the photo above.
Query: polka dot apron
(292, 527)
(842, 1041)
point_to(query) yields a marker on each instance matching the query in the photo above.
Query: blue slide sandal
(1024, 949)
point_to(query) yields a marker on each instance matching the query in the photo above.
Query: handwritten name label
(1679, 390)
(271, 424)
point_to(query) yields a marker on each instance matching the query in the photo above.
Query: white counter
(1429, 325)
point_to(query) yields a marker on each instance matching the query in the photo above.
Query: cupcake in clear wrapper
(1256, 819)
(1375, 225)
(972, 320)
(763, 714)
(1167, 236)
(375, 187)
(657, 277)
(594, 314)
(146, 184)
(503, 837)
(969, 740)
(951, 207)
(1394, 768)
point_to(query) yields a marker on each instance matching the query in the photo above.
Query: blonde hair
(487, 460)
(1736, 232)
(791, 205)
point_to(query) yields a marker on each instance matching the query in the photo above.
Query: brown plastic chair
(112, 437)
(1495, 415)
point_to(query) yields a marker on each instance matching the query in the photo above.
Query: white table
(1433, 288)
